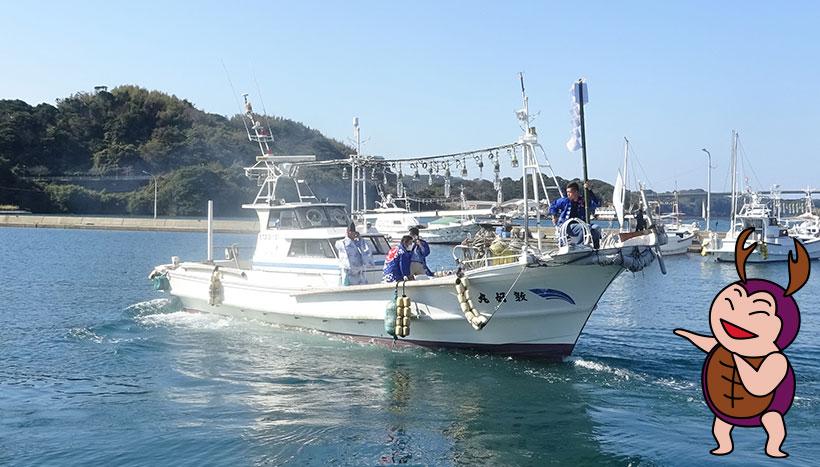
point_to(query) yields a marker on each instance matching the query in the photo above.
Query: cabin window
(313, 217)
(308, 217)
(397, 222)
(338, 217)
(273, 219)
(311, 248)
(288, 220)
(380, 244)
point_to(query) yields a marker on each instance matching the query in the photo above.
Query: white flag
(618, 198)
(574, 142)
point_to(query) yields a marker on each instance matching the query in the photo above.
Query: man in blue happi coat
(572, 206)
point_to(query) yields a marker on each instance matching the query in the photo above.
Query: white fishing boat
(394, 222)
(526, 302)
(775, 241)
(806, 225)
(680, 236)
(640, 228)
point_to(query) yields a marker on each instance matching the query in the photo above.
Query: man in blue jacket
(572, 206)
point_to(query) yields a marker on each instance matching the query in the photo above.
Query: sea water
(96, 368)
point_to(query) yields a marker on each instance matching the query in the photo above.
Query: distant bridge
(702, 194)
(88, 178)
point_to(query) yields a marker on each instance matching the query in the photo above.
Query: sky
(437, 77)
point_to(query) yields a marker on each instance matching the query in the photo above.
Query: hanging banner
(574, 142)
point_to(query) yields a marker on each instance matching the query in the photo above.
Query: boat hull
(774, 252)
(543, 315)
(677, 245)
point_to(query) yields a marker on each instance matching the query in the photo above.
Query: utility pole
(155, 191)
(708, 189)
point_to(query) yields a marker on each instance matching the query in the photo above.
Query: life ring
(338, 216)
(314, 216)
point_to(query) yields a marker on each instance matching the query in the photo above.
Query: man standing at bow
(572, 206)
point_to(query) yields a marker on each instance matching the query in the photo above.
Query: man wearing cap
(354, 257)
(420, 251)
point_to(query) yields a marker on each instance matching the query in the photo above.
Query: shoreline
(39, 221)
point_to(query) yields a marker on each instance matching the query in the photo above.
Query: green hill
(82, 155)
(129, 130)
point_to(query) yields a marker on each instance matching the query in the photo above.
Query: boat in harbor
(775, 240)
(521, 300)
(680, 236)
(393, 221)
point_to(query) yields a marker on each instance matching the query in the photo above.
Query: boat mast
(353, 169)
(580, 88)
(362, 171)
(734, 181)
(528, 141)
(626, 169)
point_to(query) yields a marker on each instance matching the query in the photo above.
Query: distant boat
(680, 236)
(394, 222)
(645, 230)
(775, 240)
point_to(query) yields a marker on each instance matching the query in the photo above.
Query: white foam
(151, 306)
(185, 319)
(603, 368)
(85, 334)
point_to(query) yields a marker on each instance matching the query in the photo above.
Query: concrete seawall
(126, 223)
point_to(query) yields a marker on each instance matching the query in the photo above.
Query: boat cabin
(301, 237)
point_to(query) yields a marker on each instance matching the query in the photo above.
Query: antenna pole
(734, 180)
(524, 116)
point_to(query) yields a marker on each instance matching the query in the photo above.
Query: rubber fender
(466, 294)
(464, 282)
(390, 314)
(405, 331)
(465, 308)
(471, 305)
(460, 289)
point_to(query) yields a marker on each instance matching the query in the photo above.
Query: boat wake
(157, 305)
(184, 319)
(624, 375)
(168, 312)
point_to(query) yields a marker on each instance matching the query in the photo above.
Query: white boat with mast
(775, 241)
(646, 229)
(806, 225)
(392, 220)
(680, 236)
(530, 302)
